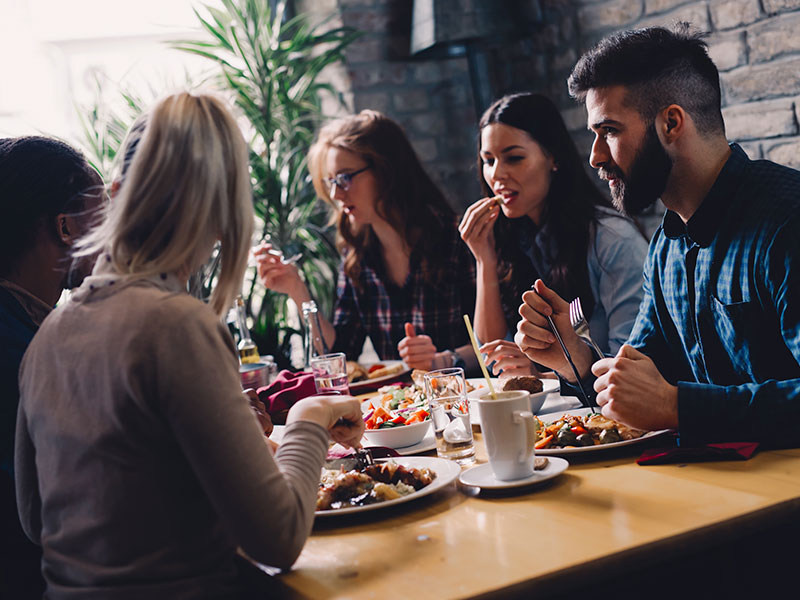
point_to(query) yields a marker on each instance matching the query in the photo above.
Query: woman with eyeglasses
(406, 278)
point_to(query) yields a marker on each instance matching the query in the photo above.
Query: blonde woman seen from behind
(140, 464)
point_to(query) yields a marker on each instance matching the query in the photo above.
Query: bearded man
(715, 351)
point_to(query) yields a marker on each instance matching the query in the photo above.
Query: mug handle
(526, 417)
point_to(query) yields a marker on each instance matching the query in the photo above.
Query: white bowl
(398, 437)
(537, 401)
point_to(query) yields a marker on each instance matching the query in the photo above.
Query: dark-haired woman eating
(543, 217)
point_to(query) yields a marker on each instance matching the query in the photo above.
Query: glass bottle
(248, 351)
(313, 341)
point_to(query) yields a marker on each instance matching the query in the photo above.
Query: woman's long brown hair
(407, 197)
(569, 206)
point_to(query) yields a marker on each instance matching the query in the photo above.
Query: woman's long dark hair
(569, 207)
(408, 199)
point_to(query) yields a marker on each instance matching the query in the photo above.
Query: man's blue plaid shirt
(721, 312)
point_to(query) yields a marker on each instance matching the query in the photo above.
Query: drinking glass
(446, 392)
(330, 373)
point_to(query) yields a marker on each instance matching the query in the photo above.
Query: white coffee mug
(509, 432)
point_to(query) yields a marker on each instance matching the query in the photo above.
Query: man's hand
(631, 390)
(536, 340)
(416, 350)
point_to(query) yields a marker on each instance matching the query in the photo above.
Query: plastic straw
(480, 356)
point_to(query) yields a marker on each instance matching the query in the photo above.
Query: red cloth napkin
(282, 393)
(707, 453)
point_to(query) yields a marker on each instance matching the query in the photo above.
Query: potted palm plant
(270, 65)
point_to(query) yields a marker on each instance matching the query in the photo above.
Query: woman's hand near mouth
(477, 230)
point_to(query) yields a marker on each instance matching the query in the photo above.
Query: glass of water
(446, 391)
(330, 373)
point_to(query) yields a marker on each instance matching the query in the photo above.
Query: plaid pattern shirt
(721, 312)
(381, 309)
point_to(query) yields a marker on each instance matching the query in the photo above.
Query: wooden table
(602, 514)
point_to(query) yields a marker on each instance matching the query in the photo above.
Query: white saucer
(482, 476)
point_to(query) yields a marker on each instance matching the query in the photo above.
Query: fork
(580, 325)
(364, 458)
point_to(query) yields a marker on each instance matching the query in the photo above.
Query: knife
(586, 401)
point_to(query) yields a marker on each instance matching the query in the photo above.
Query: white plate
(579, 412)
(368, 384)
(483, 477)
(446, 472)
(548, 386)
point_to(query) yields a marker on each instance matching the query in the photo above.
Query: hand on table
(275, 273)
(508, 358)
(536, 340)
(631, 390)
(416, 350)
(477, 229)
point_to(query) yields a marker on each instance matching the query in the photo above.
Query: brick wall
(756, 47)
(754, 43)
(430, 99)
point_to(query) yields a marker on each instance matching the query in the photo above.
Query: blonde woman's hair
(186, 186)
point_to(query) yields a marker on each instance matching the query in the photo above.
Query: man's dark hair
(658, 67)
(39, 178)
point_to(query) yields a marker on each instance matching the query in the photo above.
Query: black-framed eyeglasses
(344, 180)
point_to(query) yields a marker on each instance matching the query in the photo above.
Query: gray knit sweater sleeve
(266, 502)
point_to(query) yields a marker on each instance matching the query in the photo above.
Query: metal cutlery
(586, 402)
(292, 259)
(364, 458)
(580, 325)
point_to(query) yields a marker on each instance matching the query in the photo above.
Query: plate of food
(579, 431)
(386, 483)
(538, 388)
(363, 378)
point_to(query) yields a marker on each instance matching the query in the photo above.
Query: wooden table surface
(602, 511)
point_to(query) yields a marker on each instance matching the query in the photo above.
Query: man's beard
(639, 190)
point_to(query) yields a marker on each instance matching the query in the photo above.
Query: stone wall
(753, 42)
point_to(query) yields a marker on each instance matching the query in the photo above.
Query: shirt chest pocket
(737, 325)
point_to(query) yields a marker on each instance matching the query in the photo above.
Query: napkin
(707, 453)
(282, 393)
